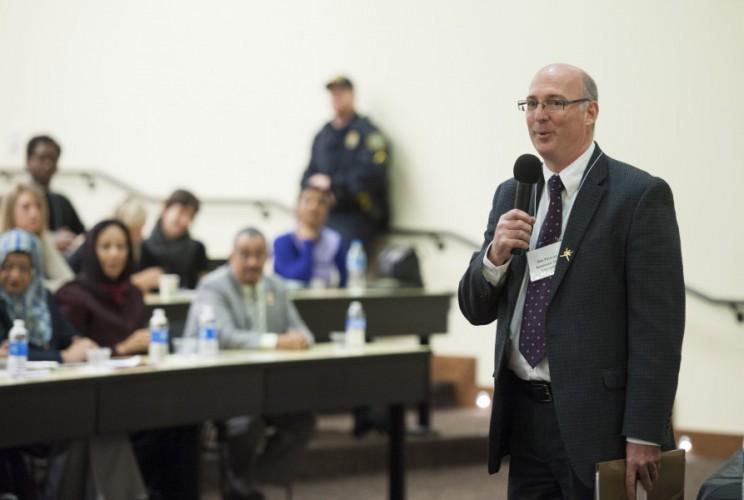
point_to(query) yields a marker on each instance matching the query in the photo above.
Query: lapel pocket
(614, 378)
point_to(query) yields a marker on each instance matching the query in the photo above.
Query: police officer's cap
(340, 81)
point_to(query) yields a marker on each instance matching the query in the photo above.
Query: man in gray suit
(588, 346)
(254, 311)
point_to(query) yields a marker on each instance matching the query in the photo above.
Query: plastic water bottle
(158, 336)
(208, 342)
(356, 266)
(356, 325)
(17, 348)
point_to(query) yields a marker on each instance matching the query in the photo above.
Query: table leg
(424, 408)
(397, 459)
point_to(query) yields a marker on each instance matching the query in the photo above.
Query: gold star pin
(567, 254)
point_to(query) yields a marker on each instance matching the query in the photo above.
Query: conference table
(82, 401)
(422, 312)
(389, 311)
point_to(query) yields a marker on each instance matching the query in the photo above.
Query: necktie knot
(555, 185)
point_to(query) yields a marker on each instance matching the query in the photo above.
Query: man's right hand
(292, 340)
(513, 230)
(63, 239)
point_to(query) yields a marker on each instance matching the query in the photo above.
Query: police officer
(350, 158)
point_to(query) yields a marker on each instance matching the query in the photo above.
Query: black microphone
(527, 171)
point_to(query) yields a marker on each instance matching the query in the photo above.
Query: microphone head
(527, 169)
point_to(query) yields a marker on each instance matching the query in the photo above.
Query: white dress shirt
(571, 176)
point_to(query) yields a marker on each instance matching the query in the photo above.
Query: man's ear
(592, 112)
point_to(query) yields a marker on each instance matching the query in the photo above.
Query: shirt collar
(572, 175)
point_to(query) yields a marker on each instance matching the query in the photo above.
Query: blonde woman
(25, 207)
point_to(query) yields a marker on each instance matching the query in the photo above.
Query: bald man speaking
(591, 315)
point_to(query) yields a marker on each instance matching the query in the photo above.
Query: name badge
(542, 261)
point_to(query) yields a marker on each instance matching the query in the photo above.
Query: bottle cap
(19, 323)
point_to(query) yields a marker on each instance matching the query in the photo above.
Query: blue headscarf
(31, 306)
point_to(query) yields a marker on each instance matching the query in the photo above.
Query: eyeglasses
(548, 104)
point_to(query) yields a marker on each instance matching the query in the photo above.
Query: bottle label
(209, 333)
(358, 263)
(356, 324)
(18, 349)
(159, 336)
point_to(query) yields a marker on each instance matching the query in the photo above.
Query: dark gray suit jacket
(615, 321)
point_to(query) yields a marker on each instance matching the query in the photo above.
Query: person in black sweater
(171, 244)
(23, 297)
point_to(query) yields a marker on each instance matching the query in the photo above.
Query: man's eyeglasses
(548, 104)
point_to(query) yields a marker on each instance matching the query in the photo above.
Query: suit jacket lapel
(538, 190)
(587, 201)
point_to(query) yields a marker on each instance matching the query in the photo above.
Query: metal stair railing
(266, 205)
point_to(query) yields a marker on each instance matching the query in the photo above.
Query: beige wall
(223, 97)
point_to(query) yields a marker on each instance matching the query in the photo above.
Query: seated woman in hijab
(133, 213)
(104, 305)
(50, 335)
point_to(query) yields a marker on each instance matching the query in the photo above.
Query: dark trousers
(169, 461)
(262, 449)
(539, 467)
(16, 477)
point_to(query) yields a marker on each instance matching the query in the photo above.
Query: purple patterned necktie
(532, 334)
